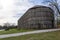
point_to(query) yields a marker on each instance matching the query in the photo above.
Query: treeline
(8, 26)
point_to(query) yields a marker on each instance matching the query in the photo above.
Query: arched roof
(40, 6)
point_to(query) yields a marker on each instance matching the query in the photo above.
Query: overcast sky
(12, 10)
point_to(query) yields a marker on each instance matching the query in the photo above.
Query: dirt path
(25, 33)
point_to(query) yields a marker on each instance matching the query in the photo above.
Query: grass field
(14, 31)
(40, 36)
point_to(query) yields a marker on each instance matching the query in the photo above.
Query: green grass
(40, 36)
(14, 31)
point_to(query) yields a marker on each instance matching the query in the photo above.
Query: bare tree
(55, 5)
(7, 24)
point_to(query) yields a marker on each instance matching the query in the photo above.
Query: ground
(14, 31)
(40, 36)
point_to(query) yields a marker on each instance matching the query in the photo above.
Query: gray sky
(12, 10)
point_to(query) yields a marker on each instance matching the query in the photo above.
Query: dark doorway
(39, 25)
(52, 23)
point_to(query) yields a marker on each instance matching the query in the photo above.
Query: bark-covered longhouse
(37, 17)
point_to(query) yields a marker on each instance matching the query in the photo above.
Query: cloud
(6, 10)
(21, 7)
(12, 10)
